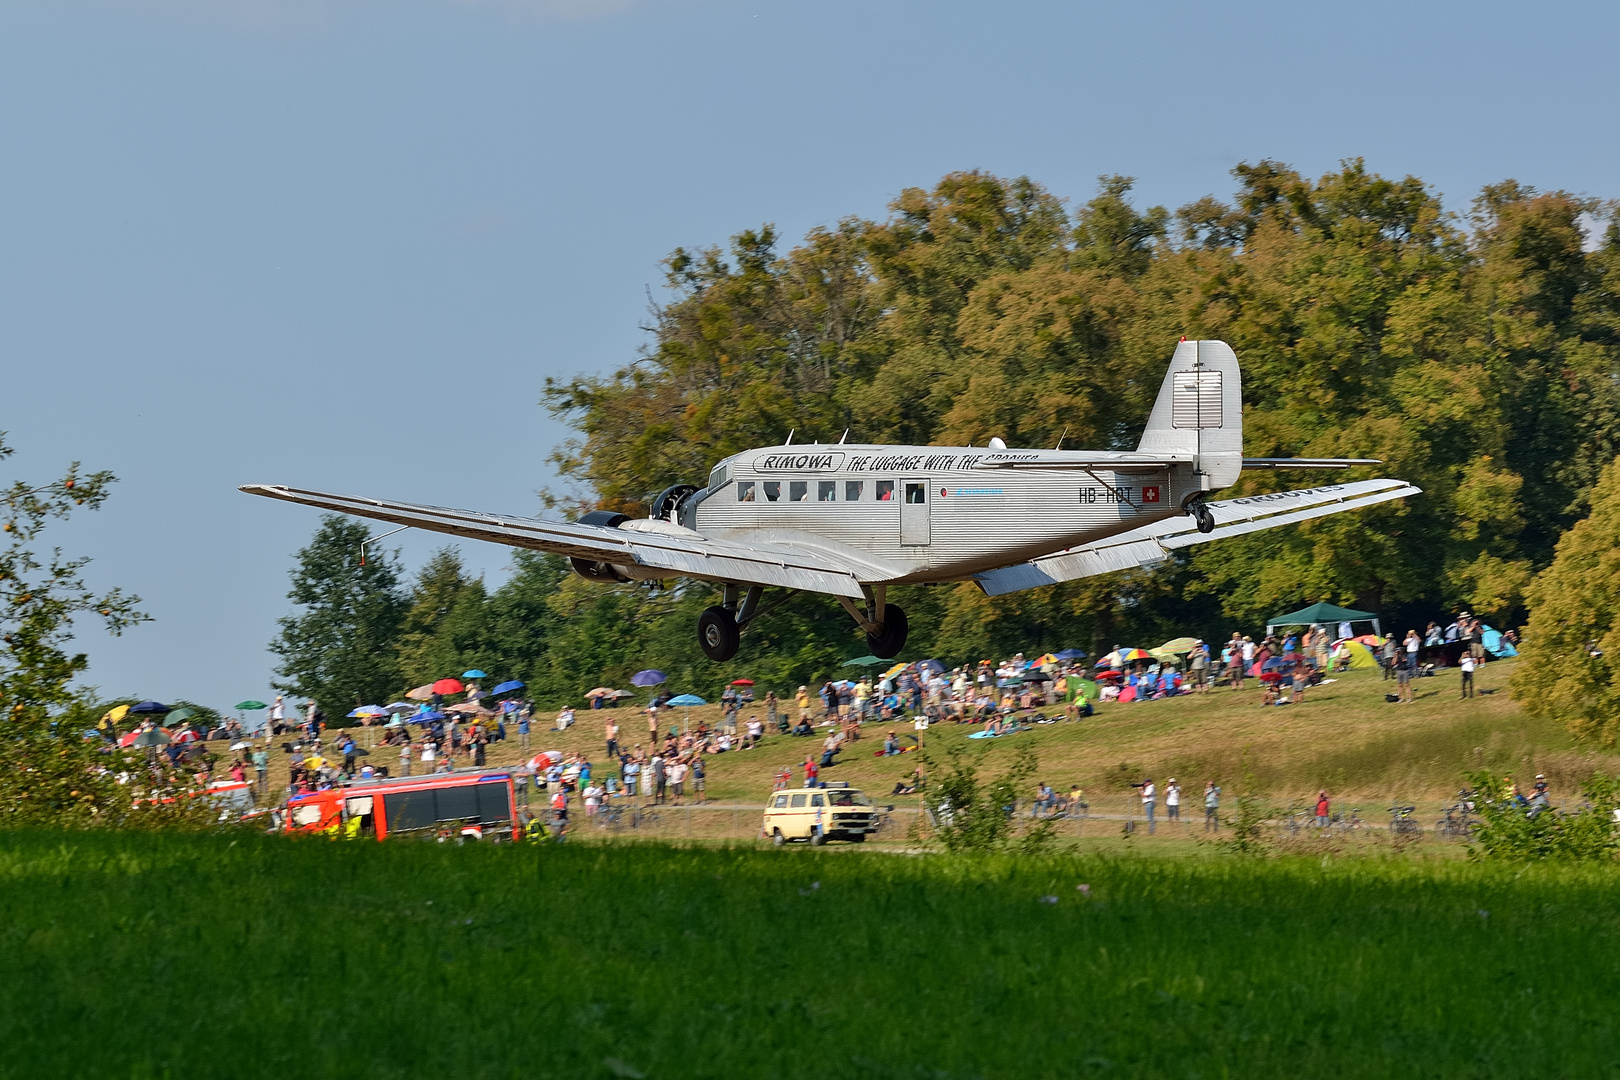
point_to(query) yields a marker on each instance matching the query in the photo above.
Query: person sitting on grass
(803, 727)
(891, 745)
(909, 785)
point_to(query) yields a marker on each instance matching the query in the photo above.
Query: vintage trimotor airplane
(850, 520)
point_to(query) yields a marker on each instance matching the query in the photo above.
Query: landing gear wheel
(893, 639)
(1205, 519)
(717, 633)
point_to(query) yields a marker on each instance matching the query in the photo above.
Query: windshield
(848, 798)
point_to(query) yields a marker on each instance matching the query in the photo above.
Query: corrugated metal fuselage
(925, 512)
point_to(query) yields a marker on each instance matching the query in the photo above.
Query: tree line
(1476, 353)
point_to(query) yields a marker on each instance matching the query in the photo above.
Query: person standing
(677, 779)
(660, 777)
(1387, 654)
(1324, 809)
(1150, 800)
(405, 758)
(612, 732)
(1198, 666)
(261, 768)
(699, 779)
(347, 748)
(1212, 806)
(523, 728)
(1467, 665)
(1172, 800)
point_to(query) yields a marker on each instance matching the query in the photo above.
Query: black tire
(893, 638)
(1205, 519)
(857, 838)
(777, 838)
(818, 837)
(718, 636)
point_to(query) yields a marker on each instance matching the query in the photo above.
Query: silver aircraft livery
(851, 520)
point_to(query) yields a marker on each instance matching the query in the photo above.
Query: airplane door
(914, 513)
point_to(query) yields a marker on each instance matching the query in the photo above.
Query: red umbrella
(186, 735)
(448, 686)
(742, 682)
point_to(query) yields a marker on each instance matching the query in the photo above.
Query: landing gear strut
(885, 624)
(720, 627)
(1202, 515)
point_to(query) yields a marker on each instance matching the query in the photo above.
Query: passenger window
(798, 490)
(885, 490)
(815, 800)
(916, 493)
(827, 491)
(745, 491)
(798, 800)
(852, 490)
(773, 490)
(781, 801)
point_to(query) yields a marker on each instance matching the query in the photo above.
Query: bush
(1510, 831)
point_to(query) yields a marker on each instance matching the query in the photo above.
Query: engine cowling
(594, 570)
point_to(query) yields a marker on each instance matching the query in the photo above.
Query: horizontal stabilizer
(1306, 462)
(1151, 543)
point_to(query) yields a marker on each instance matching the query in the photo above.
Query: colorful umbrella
(929, 667)
(448, 686)
(115, 714)
(421, 693)
(687, 700)
(1177, 645)
(185, 735)
(474, 674)
(600, 691)
(149, 737)
(369, 710)
(649, 677)
(897, 669)
(742, 682)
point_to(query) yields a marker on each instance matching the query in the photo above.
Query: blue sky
(341, 244)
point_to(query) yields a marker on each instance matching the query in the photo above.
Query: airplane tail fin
(1199, 411)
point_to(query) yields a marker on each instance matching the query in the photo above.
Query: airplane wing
(1149, 544)
(679, 551)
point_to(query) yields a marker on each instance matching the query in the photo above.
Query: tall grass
(185, 956)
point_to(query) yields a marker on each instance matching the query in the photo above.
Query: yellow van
(835, 812)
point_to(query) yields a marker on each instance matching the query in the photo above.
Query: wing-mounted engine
(590, 569)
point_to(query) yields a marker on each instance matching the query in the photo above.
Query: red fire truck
(464, 805)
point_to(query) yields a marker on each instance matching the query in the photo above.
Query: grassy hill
(1345, 737)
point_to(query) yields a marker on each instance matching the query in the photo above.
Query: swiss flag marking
(1150, 494)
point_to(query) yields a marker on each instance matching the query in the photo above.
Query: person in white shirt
(1150, 797)
(1172, 800)
(1467, 665)
(427, 755)
(593, 799)
(755, 731)
(677, 780)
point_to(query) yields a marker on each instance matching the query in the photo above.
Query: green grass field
(143, 956)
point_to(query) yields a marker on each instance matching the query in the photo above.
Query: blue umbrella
(507, 687)
(474, 674)
(1276, 665)
(686, 700)
(650, 677)
(426, 717)
(150, 707)
(1070, 654)
(930, 667)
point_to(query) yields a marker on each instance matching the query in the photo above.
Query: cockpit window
(885, 490)
(852, 490)
(798, 490)
(773, 490)
(745, 491)
(717, 478)
(827, 491)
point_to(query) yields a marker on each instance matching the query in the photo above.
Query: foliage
(340, 649)
(1247, 827)
(1570, 667)
(976, 815)
(1509, 831)
(50, 773)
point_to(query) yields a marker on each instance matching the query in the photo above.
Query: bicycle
(1402, 823)
(1458, 822)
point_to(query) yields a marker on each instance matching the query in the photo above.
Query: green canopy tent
(1323, 613)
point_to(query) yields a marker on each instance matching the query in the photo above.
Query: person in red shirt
(1323, 808)
(811, 771)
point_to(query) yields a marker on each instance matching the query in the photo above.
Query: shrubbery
(1512, 831)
